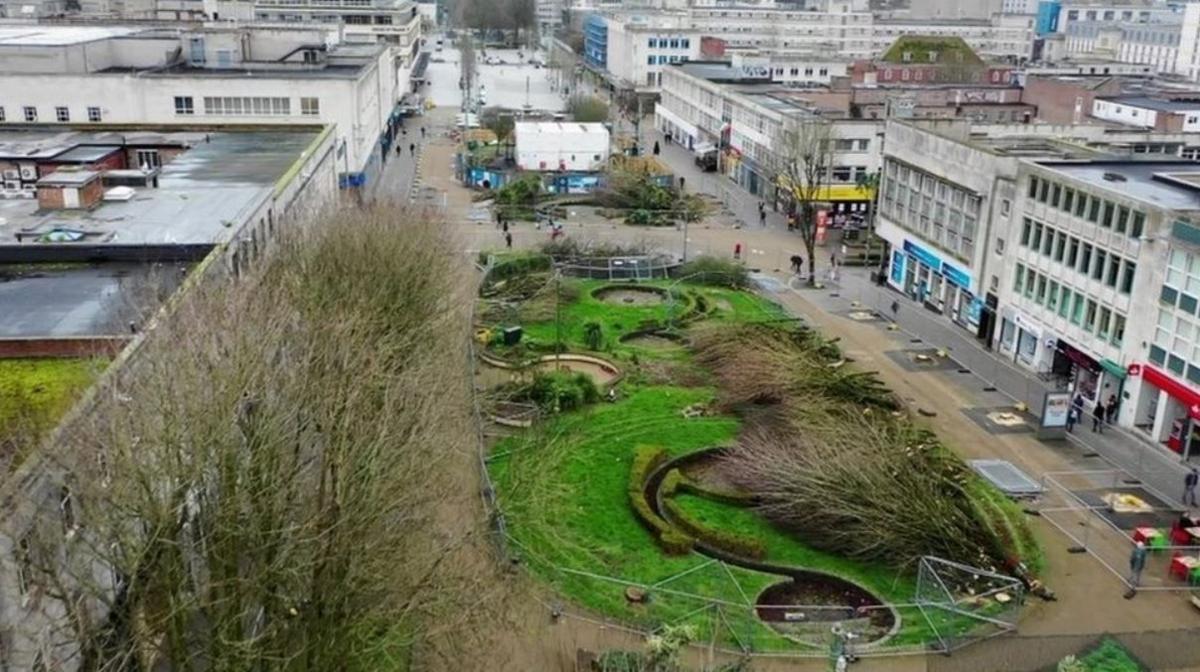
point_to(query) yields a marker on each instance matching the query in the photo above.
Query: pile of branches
(281, 480)
(839, 463)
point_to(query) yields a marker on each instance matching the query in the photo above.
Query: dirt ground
(520, 633)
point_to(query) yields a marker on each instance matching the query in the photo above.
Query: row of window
(1106, 214)
(247, 105)
(662, 60)
(62, 113)
(1175, 343)
(1082, 257)
(1082, 310)
(808, 72)
(943, 213)
(669, 43)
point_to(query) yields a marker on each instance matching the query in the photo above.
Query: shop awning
(1181, 392)
(835, 193)
(1113, 369)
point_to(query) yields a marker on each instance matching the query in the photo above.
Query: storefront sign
(898, 261)
(956, 276)
(974, 311)
(1179, 391)
(1135, 370)
(1027, 325)
(1079, 358)
(922, 255)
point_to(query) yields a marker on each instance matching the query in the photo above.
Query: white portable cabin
(561, 146)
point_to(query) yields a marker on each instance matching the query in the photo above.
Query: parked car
(706, 157)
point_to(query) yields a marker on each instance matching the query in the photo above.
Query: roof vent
(1114, 177)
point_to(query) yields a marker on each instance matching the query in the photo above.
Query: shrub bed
(560, 391)
(725, 540)
(645, 460)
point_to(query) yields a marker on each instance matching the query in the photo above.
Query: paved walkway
(1127, 449)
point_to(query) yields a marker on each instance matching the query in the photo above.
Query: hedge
(645, 460)
(690, 487)
(670, 483)
(725, 540)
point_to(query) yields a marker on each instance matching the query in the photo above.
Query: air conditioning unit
(12, 185)
(12, 174)
(28, 173)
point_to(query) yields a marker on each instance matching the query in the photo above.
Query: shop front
(1021, 338)
(1096, 381)
(940, 286)
(1165, 408)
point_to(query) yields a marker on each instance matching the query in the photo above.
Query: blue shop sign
(923, 255)
(956, 276)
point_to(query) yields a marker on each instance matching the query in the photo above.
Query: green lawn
(563, 489)
(35, 393)
(1110, 656)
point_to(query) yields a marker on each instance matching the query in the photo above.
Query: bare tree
(803, 165)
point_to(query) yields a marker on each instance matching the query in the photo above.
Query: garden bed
(632, 295)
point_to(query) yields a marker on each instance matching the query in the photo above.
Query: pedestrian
(422, 132)
(399, 149)
(1077, 404)
(1110, 409)
(412, 149)
(737, 249)
(656, 148)
(1189, 486)
(1098, 418)
(762, 214)
(681, 182)
(1072, 418)
(797, 263)
(403, 131)
(1137, 562)
(504, 225)
(507, 238)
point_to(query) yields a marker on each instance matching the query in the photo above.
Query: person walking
(399, 149)
(1110, 409)
(1189, 486)
(507, 238)
(1098, 418)
(656, 148)
(504, 225)
(1137, 562)
(422, 132)
(762, 214)
(1072, 418)
(412, 149)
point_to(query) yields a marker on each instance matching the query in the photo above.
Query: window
(652, 43)
(1019, 279)
(1122, 219)
(1118, 329)
(1030, 281)
(184, 105)
(1052, 297)
(1085, 259)
(1102, 325)
(685, 43)
(650, 60)
(1060, 245)
(148, 159)
(1098, 267)
(1068, 199)
(62, 114)
(1089, 316)
(1139, 222)
(1036, 243)
(1106, 220)
(2, 117)
(1055, 195)
(1048, 241)
(674, 44)
(247, 105)
(1072, 251)
(1080, 205)
(1127, 277)
(1005, 206)
(310, 106)
(1077, 308)
(1064, 304)
(93, 114)
(30, 114)
(1040, 296)
(1114, 270)
(1043, 191)
(1033, 187)
(1093, 214)
(1026, 229)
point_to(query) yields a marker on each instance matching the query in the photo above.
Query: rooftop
(1148, 103)
(931, 49)
(1169, 185)
(201, 194)
(57, 36)
(559, 127)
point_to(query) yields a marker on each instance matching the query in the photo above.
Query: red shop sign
(1178, 390)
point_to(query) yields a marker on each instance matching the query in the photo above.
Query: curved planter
(604, 364)
(661, 293)
(863, 597)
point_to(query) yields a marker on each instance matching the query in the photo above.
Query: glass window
(1106, 217)
(1157, 355)
(1040, 296)
(1048, 241)
(1064, 305)
(1187, 303)
(1103, 324)
(1077, 308)
(1081, 205)
(1168, 295)
(652, 43)
(30, 113)
(1055, 195)
(1072, 251)
(1114, 270)
(1033, 187)
(1098, 267)
(1085, 259)
(1127, 272)
(1060, 246)
(1052, 296)
(1036, 243)
(1089, 316)
(1118, 330)
(1030, 282)
(1019, 279)
(650, 60)
(184, 105)
(1043, 191)
(1026, 230)
(1068, 199)
(1093, 214)
(1122, 219)
(62, 114)
(93, 114)
(310, 107)
(1139, 222)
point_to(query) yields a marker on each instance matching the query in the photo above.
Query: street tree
(869, 182)
(803, 165)
(584, 108)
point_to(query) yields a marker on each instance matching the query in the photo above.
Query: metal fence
(629, 268)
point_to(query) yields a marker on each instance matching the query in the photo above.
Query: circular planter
(639, 296)
(652, 339)
(603, 372)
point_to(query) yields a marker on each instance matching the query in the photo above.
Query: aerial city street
(563, 335)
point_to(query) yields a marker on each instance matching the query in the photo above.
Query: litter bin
(512, 335)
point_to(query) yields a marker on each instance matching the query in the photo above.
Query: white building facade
(223, 76)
